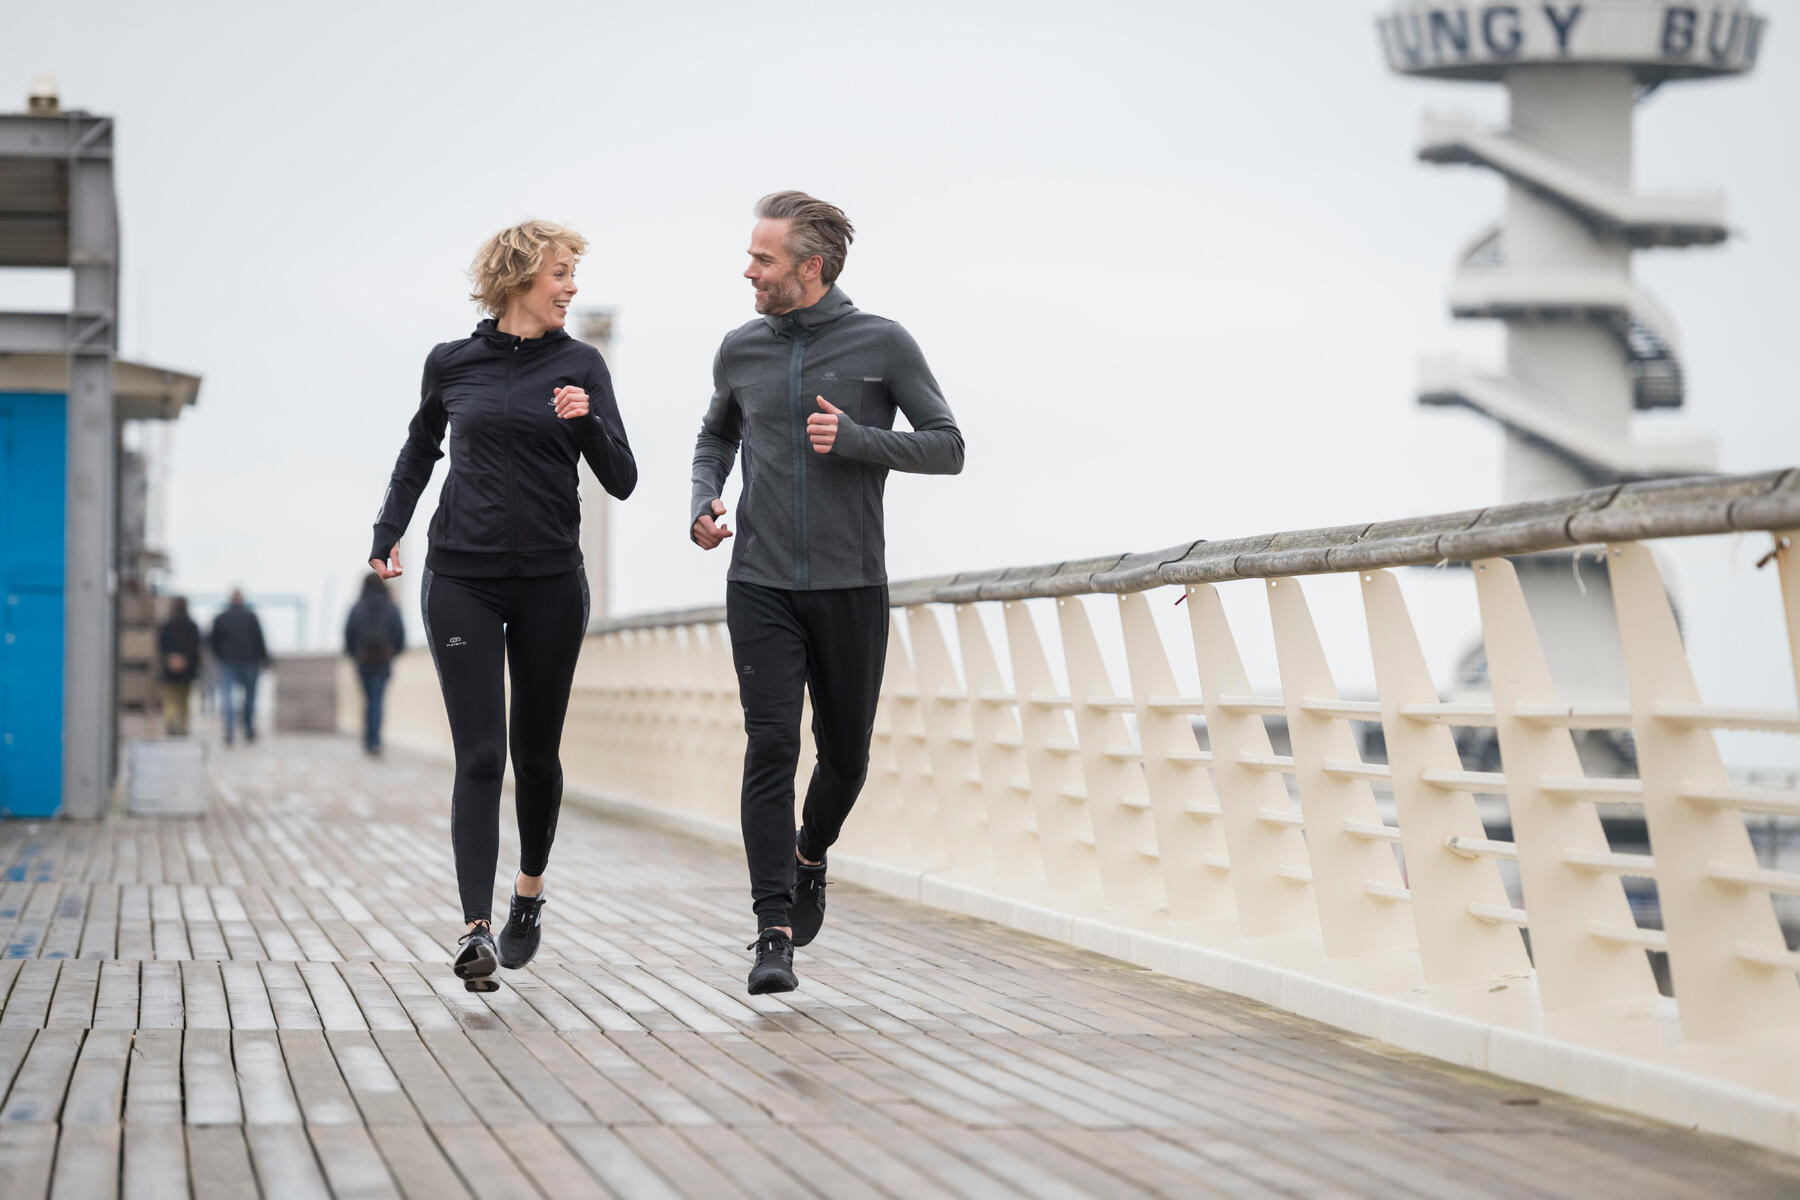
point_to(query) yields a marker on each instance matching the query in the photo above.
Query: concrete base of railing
(1628, 1057)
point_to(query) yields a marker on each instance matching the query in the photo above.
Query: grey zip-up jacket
(808, 520)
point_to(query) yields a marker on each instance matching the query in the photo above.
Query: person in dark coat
(237, 644)
(373, 635)
(178, 653)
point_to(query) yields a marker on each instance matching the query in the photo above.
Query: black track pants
(832, 642)
(478, 629)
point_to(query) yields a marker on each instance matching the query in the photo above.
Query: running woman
(503, 589)
(808, 392)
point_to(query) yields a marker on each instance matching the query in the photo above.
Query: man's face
(772, 271)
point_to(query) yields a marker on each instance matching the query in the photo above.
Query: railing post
(1000, 752)
(1709, 919)
(950, 743)
(1124, 836)
(1787, 563)
(1565, 902)
(919, 802)
(1270, 874)
(1065, 834)
(1454, 945)
(1196, 868)
(1363, 905)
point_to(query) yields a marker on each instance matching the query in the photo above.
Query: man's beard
(781, 297)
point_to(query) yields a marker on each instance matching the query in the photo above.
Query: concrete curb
(1650, 1089)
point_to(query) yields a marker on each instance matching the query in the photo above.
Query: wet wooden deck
(257, 1003)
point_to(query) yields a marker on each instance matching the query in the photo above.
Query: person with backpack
(504, 591)
(178, 652)
(373, 635)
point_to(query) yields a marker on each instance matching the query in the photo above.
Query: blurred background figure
(373, 635)
(237, 644)
(178, 648)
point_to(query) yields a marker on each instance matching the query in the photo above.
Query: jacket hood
(808, 321)
(488, 331)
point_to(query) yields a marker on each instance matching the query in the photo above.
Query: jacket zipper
(796, 358)
(512, 499)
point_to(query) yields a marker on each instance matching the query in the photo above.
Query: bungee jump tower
(1586, 347)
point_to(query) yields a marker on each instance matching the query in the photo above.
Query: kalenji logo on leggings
(453, 643)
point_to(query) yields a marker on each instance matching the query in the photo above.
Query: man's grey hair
(815, 227)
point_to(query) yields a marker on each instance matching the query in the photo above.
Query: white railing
(1091, 811)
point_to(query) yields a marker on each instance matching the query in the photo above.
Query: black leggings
(477, 629)
(833, 642)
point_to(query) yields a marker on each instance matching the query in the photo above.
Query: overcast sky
(1173, 263)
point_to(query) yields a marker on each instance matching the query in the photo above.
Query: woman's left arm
(600, 432)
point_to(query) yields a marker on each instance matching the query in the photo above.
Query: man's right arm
(721, 429)
(424, 446)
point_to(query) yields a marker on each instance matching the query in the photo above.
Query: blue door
(32, 453)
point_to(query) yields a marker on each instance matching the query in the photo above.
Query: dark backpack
(374, 640)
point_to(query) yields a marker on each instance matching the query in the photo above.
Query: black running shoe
(519, 936)
(477, 960)
(774, 969)
(808, 910)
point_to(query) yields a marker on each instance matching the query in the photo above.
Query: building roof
(142, 392)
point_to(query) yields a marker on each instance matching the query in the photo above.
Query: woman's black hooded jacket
(510, 505)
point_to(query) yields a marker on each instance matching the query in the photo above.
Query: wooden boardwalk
(257, 1003)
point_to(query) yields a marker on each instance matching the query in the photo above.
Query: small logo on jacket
(453, 643)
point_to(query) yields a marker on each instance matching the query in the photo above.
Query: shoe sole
(763, 987)
(481, 985)
(476, 969)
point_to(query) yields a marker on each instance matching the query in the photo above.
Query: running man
(504, 590)
(808, 392)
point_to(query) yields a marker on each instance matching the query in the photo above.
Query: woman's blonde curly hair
(508, 262)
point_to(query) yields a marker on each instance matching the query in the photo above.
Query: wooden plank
(319, 1088)
(155, 1162)
(425, 1082)
(153, 1081)
(690, 1173)
(209, 1079)
(617, 1165)
(529, 1079)
(262, 1078)
(116, 998)
(372, 1083)
(246, 996)
(203, 996)
(289, 997)
(63, 938)
(43, 1078)
(484, 1164)
(375, 1000)
(417, 1163)
(100, 932)
(28, 1006)
(219, 1163)
(87, 1163)
(354, 1168)
(478, 1082)
(27, 1153)
(331, 997)
(97, 1088)
(159, 995)
(15, 1044)
(552, 1166)
(604, 1098)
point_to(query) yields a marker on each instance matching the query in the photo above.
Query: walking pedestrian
(373, 635)
(807, 393)
(503, 589)
(237, 645)
(178, 648)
